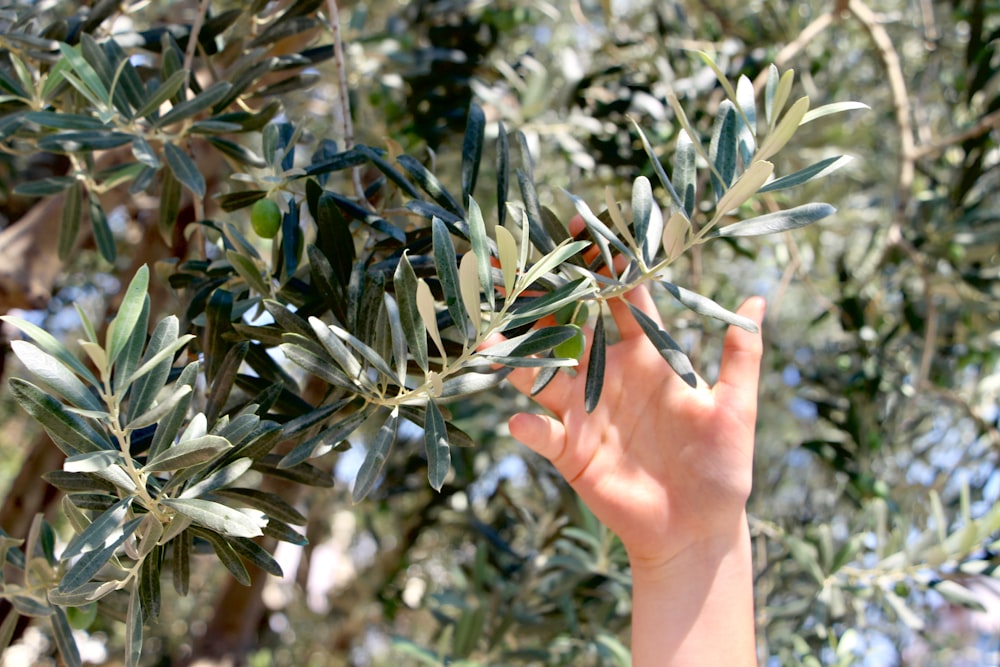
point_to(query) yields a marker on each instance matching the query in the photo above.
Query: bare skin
(667, 467)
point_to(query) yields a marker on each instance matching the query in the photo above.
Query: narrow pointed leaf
(188, 453)
(90, 563)
(162, 93)
(745, 187)
(507, 249)
(503, 173)
(468, 283)
(71, 214)
(705, 306)
(771, 223)
(216, 517)
(184, 169)
(533, 342)
(830, 109)
(169, 426)
(103, 236)
(481, 248)
(437, 446)
(53, 374)
(376, 456)
(50, 344)
(430, 184)
(328, 438)
(472, 149)
(256, 554)
(195, 105)
(71, 432)
(405, 284)
(226, 553)
(133, 629)
(319, 366)
(62, 632)
(366, 352)
(336, 348)
(595, 366)
(723, 148)
(666, 346)
(428, 313)
(399, 351)
(782, 89)
(747, 105)
(129, 312)
(447, 273)
(817, 170)
(784, 131)
(271, 504)
(104, 531)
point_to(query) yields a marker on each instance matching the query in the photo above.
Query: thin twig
(192, 44)
(985, 124)
(344, 94)
(792, 49)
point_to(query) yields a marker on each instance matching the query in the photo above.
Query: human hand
(666, 466)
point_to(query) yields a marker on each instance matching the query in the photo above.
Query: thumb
(543, 435)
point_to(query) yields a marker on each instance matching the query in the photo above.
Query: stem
(344, 93)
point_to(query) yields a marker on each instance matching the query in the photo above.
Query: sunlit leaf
(218, 517)
(784, 131)
(90, 563)
(72, 433)
(195, 105)
(666, 346)
(188, 453)
(129, 312)
(722, 149)
(705, 306)
(227, 555)
(62, 632)
(830, 109)
(184, 168)
(779, 221)
(405, 284)
(817, 170)
(507, 249)
(133, 629)
(54, 375)
(436, 444)
(428, 313)
(748, 184)
(162, 93)
(376, 456)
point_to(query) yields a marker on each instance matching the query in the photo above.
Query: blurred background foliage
(876, 508)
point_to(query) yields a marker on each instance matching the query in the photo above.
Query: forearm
(698, 608)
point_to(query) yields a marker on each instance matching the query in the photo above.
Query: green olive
(81, 618)
(265, 216)
(571, 348)
(573, 313)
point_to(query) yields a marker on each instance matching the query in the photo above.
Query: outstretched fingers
(739, 372)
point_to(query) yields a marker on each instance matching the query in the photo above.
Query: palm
(657, 461)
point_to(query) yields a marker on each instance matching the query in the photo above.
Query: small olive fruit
(83, 617)
(572, 347)
(265, 216)
(573, 313)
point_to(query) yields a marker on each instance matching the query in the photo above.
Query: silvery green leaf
(781, 221)
(328, 438)
(530, 362)
(133, 629)
(271, 504)
(71, 432)
(784, 130)
(27, 605)
(162, 93)
(218, 517)
(188, 453)
(169, 426)
(537, 231)
(398, 336)
(658, 168)
(437, 446)
(50, 344)
(376, 456)
(666, 346)
(90, 563)
(161, 409)
(829, 109)
(366, 352)
(101, 533)
(817, 170)
(595, 366)
(92, 461)
(430, 184)
(404, 282)
(129, 312)
(195, 105)
(723, 147)
(336, 348)
(481, 249)
(184, 169)
(447, 274)
(54, 375)
(316, 364)
(553, 260)
(503, 173)
(226, 553)
(705, 306)
(534, 309)
(532, 342)
(151, 375)
(256, 554)
(62, 632)
(471, 383)
(223, 477)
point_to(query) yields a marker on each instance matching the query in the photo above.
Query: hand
(668, 468)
